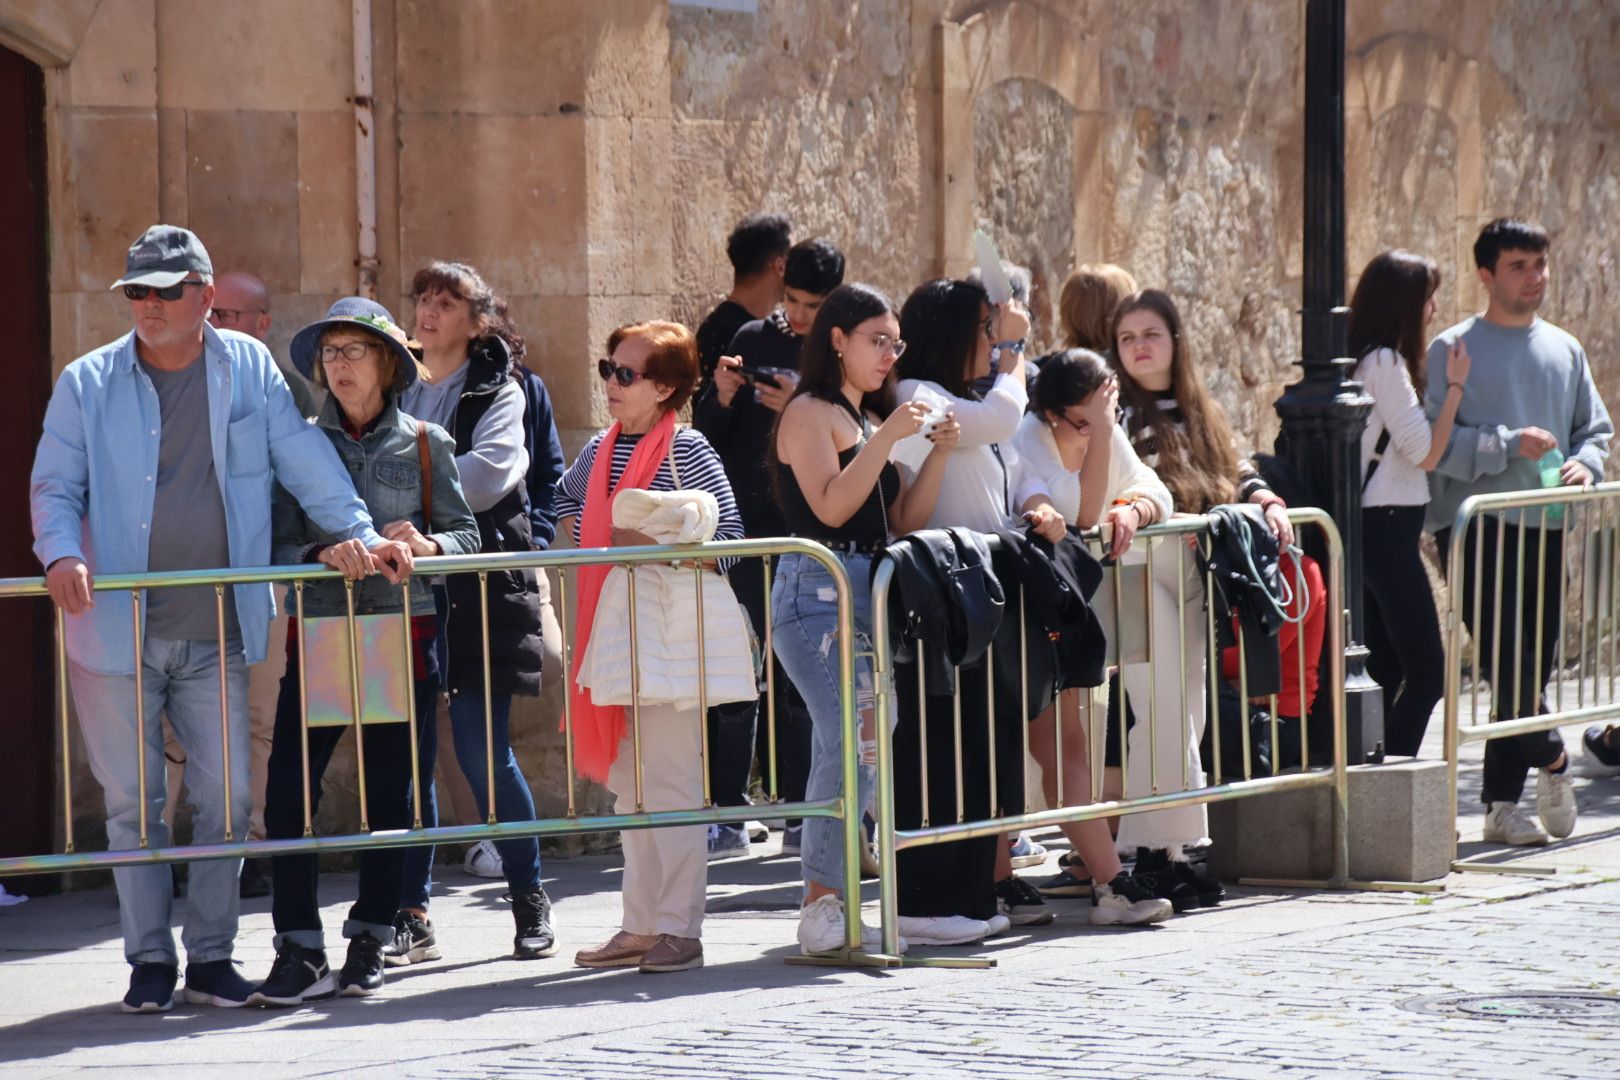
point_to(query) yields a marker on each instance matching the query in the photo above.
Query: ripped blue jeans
(804, 613)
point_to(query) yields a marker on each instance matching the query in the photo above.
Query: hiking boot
(151, 988)
(362, 973)
(298, 975)
(413, 941)
(1021, 903)
(1126, 901)
(531, 911)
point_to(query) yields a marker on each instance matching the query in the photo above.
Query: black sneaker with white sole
(1072, 878)
(413, 941)
(217, 983)
(151, 988)
(1127, 901)
(298, 975)
(531, 911)
(362, 973)
(1021, 903)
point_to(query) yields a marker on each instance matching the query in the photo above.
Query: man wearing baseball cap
(157, 456)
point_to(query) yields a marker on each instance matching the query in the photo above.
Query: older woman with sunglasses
(651, 371)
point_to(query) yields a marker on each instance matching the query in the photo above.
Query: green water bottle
(1550, 464)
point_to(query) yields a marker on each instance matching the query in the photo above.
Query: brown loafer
(673, 954)
(623, 949)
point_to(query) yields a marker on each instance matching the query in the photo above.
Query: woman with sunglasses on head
(957, 893)
(470, 388)
(1393, 306)
(650, 372)
(406, 473)
(830, 463)
(1071, 439)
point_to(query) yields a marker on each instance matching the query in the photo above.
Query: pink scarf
(598, 729)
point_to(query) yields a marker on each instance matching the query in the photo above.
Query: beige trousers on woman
(665, 870)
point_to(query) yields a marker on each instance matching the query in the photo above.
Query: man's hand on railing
(349, 558)
(1575, 474)
(70, 585)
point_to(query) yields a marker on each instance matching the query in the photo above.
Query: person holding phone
(737, 412)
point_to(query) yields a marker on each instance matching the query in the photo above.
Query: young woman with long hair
(1393, 305)
(830, 461)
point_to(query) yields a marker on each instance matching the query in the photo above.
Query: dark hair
(941, 322)
(757, 239)
(1508, 234)
(815, 267)
(673, 360)
(821, 368)
(1068, 377)
(488, 310)
(1387, 310)
(1200, 465)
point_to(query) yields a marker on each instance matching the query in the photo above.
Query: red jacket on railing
(1288, 638)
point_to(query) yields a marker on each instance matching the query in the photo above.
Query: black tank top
(868, 525)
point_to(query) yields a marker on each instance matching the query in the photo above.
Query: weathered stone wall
(590, 156)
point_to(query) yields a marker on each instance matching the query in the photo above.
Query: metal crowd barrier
(72, 858)
(1164, 792)
(1582, 687)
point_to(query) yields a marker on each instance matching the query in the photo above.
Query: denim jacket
(94, 480)
(385, 465)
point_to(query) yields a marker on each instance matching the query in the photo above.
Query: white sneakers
(821, 929)
(946, 929)
(483, 860)
(1555, 802)
(1125, 902)
(1505, 823)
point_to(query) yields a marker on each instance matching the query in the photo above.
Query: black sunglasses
(168, 292)
(609, 370)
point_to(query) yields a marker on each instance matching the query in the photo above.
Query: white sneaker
(943, 929)
(1129, 905)
(1505, 823)
(821, 929)
(757, 832)
(1555, 802)
(997, 924)
(483, 860)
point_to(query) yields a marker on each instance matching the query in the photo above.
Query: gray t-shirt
(188, 512)
(435, 402)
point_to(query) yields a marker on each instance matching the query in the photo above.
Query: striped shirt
(699, 467)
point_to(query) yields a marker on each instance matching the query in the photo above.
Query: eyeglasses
(168, 292)
(351, 352)
(625, 376)
(231, 315)
(885, 343)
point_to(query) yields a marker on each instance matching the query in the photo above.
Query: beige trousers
(665, 870)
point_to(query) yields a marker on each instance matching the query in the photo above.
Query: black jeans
(1405, 654)
(1518, 691)
(736, 729)
(295, 906)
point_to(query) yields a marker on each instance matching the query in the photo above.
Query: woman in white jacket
(650, 372)
(1071, 443)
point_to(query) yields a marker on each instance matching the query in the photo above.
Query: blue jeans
(181, 678)
(804, 609)
(520, 857)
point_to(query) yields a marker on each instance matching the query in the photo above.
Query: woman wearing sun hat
(358, 354)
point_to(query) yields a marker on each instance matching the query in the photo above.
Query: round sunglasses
(625, 376)
(168, 292)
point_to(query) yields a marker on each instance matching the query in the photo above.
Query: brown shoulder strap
(427, 476)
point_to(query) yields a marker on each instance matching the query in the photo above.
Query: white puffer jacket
(667, 614)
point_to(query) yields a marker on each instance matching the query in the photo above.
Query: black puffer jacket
(947, 598)
(1244, 560)
(514, 595)
(1063, 640)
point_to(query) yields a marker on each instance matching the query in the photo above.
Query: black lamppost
(1325, 412)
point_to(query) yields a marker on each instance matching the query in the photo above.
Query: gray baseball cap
(163, 256)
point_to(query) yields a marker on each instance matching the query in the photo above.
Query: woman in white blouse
(1094, 480)
(1393, 304)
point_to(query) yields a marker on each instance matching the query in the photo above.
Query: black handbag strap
(1377, 456)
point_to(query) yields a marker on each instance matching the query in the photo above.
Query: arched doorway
(27, 777)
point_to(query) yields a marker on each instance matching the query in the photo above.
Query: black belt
(848, 547)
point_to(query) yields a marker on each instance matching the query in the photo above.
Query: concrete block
(242, 191)
(1398, 825)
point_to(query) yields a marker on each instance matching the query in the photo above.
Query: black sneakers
(1021, 903)
(362, 973)
(298, 975)
(1210, 891)
(531, 911)
(1154, 870)
(413, 941)
(1072, 878)
(151, 988)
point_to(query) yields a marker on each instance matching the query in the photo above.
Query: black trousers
(735, 730)
(1508, 761)
(1405, 654)
(296, 904)
(957, 878)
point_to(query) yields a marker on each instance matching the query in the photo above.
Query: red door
(27, 774)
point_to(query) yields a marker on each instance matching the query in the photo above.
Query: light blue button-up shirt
(95, 480)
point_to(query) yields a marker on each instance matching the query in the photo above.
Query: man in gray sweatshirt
(1530, 391)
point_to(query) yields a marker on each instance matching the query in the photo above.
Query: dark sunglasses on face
(168, 292)
(609, 370)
